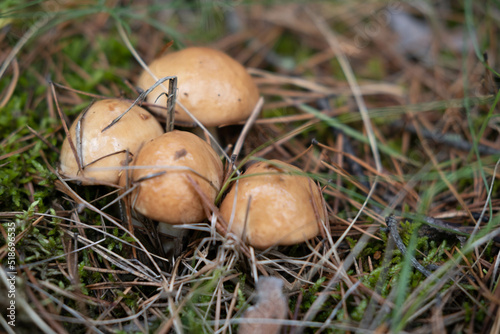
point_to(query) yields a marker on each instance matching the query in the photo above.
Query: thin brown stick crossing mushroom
(100, 155)
(274, 204)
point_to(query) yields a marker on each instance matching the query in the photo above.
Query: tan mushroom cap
(170, 197)
(106, 149)
(281, 206)
(214, 87)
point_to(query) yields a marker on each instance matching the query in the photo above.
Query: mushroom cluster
(172, 175)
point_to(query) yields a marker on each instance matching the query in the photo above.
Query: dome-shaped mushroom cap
(170, 197)
(106, 149)
(281, 206)
(214, 87)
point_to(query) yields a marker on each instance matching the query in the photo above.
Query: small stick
(251, 120)
(453, 140)
(392, 227)
(12, 86)
(140, 99)
(42, 138)
(65, 127)
(172, 95)
(81, 92)
(231, 308)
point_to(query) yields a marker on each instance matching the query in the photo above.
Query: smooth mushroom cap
(106, 149)
(284, 208)
(214, 87)
(170, 197)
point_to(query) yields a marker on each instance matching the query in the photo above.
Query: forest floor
(391, 107)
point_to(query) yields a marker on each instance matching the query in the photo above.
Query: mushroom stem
(172, 95)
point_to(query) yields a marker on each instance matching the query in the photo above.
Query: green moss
(309, 295)
(241, 296)
(200, 303)
(359, 311)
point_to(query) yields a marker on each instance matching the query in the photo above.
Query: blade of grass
(355, 134)
(398, 321)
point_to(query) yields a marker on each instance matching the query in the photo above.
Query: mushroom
(106, 150)
(164, 192)
(214, 87)
(274, 205)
